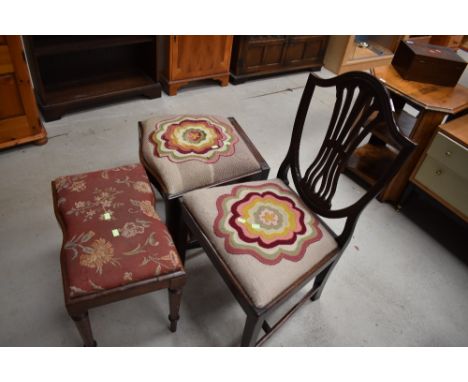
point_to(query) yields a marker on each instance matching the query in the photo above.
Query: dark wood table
(433, 103)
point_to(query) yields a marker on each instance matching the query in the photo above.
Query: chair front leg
(252, 327)
(84, 327)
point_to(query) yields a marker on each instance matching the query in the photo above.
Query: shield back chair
(266, 240)
(182, 153)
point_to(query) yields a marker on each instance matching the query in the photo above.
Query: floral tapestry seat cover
(186, 152)
(264, 234)
(112, 234)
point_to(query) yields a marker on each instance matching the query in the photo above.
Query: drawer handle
(438, 172)
(448, 153)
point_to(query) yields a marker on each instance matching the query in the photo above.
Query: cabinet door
(305, 50)
(199, 56)
(19, 117)
(262, 53)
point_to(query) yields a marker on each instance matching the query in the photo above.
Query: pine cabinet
(190, 58)
(19, 116)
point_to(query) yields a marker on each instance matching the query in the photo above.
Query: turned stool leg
(175, 296)
(84, 327)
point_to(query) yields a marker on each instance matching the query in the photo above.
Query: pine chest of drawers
(443, 169)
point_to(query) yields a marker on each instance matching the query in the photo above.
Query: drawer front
(444, 183)
(450, 153)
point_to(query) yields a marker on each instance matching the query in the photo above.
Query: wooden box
(428, 63)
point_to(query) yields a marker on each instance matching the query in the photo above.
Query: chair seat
(187, 152)
(263, 233)
(112, 234)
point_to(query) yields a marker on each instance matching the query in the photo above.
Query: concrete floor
(403, 280)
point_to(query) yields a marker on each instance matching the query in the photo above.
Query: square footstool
(182, 153)
(114, 244)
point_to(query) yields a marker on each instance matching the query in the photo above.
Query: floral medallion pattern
(113, 235)
(267, 222)
(186, 138)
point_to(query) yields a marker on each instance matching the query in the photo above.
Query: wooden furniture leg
(425, 127)
(252, 327)
(224, 81)
(172, 208)
(153, 93)
(84, 327)
(172, 88)
(320, 281)
(181, 238)
(175, 296)
(41, 142)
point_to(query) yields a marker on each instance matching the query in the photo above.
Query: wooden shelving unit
(346, 53)
(369, 161)
(75, 72)
(48, 45)
(431, 103)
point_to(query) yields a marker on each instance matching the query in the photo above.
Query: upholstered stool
(183, 153)
(114, 244)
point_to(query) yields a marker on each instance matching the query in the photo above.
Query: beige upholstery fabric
(183, 176)
(262, 282)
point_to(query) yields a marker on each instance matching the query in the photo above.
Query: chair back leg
(181, 238)
(172, 208)
(320, 281)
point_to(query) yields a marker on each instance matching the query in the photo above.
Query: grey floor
(403, 280)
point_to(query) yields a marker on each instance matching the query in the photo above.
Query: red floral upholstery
(112, 234)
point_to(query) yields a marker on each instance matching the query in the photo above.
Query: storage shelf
(50, 45)
(97, 86)
(369, 162)
(405, 122)
(370, 59)
(344, 53)
(373, 52)
(76, 72)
